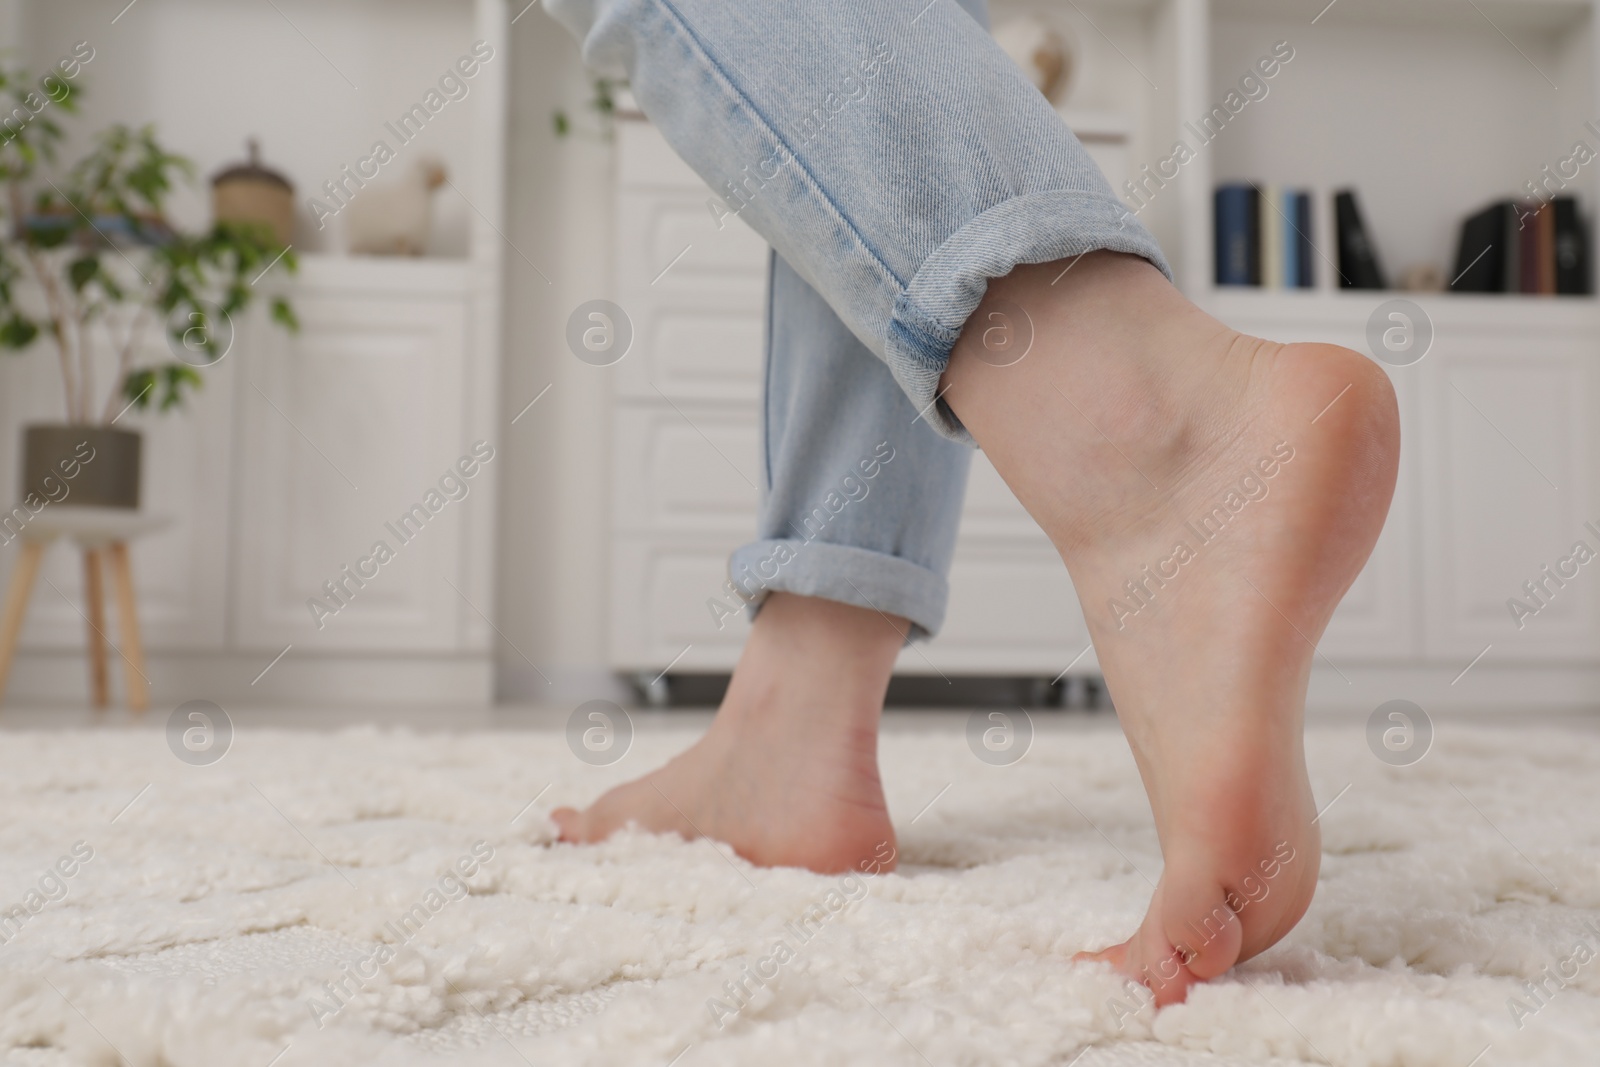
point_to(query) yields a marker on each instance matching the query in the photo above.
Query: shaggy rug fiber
(388, 896)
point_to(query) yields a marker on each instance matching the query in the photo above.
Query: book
(1291, 259)
(1571, 247)
(1358, 259)
(1481, 251)
(1237, 235)
(1305, 277)
(1516, 246)
(1271, 229)
(1528, 250)
(1511, 272)
(1545, 246)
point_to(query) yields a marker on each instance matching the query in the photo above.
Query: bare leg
(788, 772)
(1134, 415)
(1132, 419)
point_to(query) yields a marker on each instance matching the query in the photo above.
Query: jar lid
(252, 170)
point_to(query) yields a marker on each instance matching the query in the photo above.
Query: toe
(1113, 955)
(569, 821)
(1153, 960)
(1200, 924)
(1147, 959)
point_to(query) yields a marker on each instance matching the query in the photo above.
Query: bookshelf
(1402, 102)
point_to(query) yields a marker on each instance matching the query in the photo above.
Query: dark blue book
(1304, 271)
(1238, 235)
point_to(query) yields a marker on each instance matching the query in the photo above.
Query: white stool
(97, 531)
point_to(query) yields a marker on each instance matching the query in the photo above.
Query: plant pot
(95, 466)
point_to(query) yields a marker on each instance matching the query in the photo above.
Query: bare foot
(1213, 497)
(788, 772)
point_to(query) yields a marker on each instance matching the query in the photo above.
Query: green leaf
(53, 237)
(17, 332)
(138, 386)
(284, 315)
(175, 376)
(82, 271)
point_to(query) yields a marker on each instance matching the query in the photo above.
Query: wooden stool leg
(22, 575)
(128, 628)
(94, 593)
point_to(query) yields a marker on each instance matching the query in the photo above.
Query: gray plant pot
(84, 465)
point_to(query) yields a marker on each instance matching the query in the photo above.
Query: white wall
(553, 536)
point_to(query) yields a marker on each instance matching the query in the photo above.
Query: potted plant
(90, 264)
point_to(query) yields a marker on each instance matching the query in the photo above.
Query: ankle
(1128, 388)
(820, 664)
(1130, 352)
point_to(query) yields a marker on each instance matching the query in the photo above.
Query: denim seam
(766, 373)
(917, 340)
(913, 319)
(811, 179)
(1005, 206)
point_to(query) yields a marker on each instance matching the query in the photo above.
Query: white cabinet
(1509, 415)
(345, 427)
(1497, 411)
(298, 455)
(686, 454)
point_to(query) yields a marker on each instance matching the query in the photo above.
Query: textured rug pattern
(391, 897)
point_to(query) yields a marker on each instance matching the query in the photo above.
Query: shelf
(419, 276)
(1545, 15)
(1398, 101)
(1351, 308)
(1096, 126)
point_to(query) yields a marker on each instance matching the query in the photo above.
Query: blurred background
(376, 353)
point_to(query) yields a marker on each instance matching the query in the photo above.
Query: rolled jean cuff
(1039, 227)
(858, 576)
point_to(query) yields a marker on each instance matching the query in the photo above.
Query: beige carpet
(293, 904)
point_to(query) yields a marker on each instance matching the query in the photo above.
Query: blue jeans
(896, 160)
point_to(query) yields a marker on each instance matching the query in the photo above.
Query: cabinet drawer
(992, 510)
(686, 468)
(661, 592)
(700, 349)
(1509, 429)
(669, 243)
(1012, 611)
(696, 297)
(348, 425)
